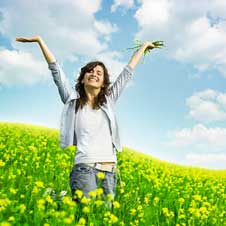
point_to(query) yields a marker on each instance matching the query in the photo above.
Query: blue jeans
(84, 177)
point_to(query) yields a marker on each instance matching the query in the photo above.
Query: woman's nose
(94, 74)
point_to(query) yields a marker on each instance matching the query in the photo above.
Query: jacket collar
(74, 95)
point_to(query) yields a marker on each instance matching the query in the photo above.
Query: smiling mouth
(92, 79)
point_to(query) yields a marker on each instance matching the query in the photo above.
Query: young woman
(88, 120)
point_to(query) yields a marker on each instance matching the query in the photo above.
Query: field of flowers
(34, 179)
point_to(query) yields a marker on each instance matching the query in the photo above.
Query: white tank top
(94, 142)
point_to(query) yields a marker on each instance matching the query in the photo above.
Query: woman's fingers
(158, 44)
(26, 39)
(21, 39)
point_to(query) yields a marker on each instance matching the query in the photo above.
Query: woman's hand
(36, 38)
(152, 45)
(149, 45)
(45, 50)
(143, 49)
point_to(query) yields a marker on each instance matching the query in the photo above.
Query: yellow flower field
(34, 187)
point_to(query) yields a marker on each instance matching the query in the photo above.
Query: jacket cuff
(129, 69)
(52, 65)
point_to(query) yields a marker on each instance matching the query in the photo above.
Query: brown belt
(111, 167)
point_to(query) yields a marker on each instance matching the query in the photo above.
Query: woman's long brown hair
(100, 99)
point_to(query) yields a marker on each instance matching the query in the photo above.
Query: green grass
(151, 192)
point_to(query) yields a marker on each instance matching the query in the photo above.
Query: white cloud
(189, 34)
(218, 7)
(207, 106)
(209, 157)
(105, 27)
(221, 99)
(207, 160)
(201, 145)
(152, 13)
(126, 4)
(204, 46)
(199, 138)
(18, 68)
(69, 29)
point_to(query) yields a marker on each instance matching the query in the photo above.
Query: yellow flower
(40, 204)
(18, 171)
(181, 200)
(62, 213)
(79, 193)
(35, 190)
(139, 208)
(140, 215)
(82, 221)
(113, 219)
(1, 163)
(101, 175)
(116, 204)
(191, 210)
(108, 213)
(156, 200)
(39, 184)
(99, 202)
(165, 211)
(122, 190)
(92, 194)
(86, 209)
(109, 197)
(11, 218)
(85, 200)
(123, 184)
(68, 220)
(203, 209)
(181, 216)
(99, 191)
(197, 197)
(5, 223)
(197, 213)
(71, 148)
(22, 208)
(13, 190)
(49, 199)
(133, 211)
(146, 200)
(68, 201)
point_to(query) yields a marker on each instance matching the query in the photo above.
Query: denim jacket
(69, 96)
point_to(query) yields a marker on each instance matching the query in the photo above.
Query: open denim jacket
(69, 96)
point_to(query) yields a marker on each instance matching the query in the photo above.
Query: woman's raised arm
(59, 77)
(45, 50)
(137, 55)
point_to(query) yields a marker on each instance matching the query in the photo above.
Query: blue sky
(174, 108)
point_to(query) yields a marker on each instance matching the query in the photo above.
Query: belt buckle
(108, 168)
(98, 166)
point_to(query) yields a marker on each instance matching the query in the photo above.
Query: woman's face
(94, 78)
